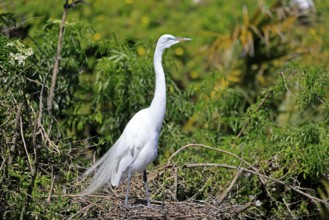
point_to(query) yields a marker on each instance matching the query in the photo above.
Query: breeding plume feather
(137, 146)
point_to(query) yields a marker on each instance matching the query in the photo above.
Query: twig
(285, 82)
(46, 138)
(52, 185)
(243, 208)
(211, 148)
(219, 150)
(13, 146)
(41, 98)
(34, 170)
(288, 208)
(314, 199)
(40, 130)
(81, 210)
(175, 183)
(3, 165)
(226, 192)
(24, 144)
(192, 198)
(18, 25)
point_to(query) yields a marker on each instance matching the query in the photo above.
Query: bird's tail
(103, 175)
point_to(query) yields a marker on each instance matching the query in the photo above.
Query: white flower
(10, 44)
(22, 53)
(258, 203)
(29, 51)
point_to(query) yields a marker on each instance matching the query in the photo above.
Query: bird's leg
(128, 186)
(147, 189)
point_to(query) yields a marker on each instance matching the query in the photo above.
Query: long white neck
(158, 105)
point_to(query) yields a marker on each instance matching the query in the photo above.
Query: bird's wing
(114, 164)
(135, 137)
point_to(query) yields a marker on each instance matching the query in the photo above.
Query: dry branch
(67, 6)
(312, 198)
(175, 183)
(13, 146)
(288, 208)
(215, 149)
(33, 177)
(25, 147)
(226, 192)
(57, 58)
(208, 147)
(52, 185)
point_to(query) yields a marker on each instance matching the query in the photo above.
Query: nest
(164, 183)
(110, 203)
(94, 208)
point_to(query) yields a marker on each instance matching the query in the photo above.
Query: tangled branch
(252, 170)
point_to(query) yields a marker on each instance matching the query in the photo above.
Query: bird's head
(167, 40)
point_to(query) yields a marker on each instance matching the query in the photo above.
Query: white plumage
(302, 5)
(137, 146)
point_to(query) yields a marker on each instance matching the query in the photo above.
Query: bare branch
(175, 183)
(52, 185)
(226, 192)
(312, 198)
(288, 208)
(67, 6)
(18, 25)
(285, 82)
(57, 58)
(13, 146)
(24, 144)
(211, 148)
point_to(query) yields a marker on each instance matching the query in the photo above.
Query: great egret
(137, 146)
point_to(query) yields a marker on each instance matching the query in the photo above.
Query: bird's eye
(170, 38)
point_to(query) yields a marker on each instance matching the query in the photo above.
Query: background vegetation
(246, 128)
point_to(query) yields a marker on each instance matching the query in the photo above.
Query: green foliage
(247, 100)
(314, 83)
(32, 147)
(302, 150)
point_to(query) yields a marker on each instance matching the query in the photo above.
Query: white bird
(137, 146)
(302, 5)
